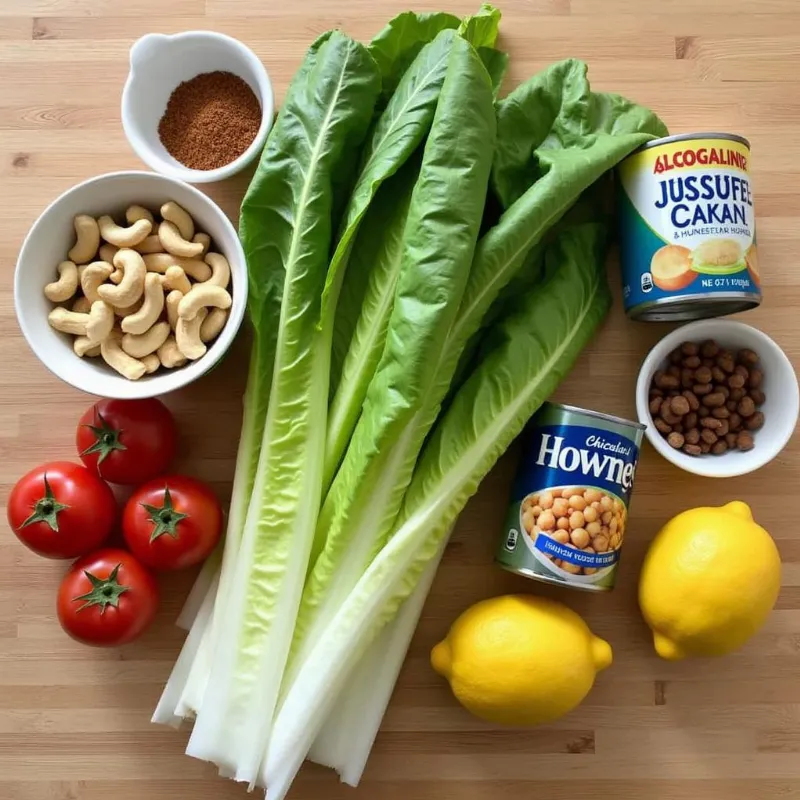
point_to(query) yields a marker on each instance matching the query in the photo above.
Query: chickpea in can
(584, 519)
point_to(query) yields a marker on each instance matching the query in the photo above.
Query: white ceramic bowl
(159, 64)
(52, 235)
(780, 387)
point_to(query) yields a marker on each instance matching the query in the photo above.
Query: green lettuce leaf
(287, 232)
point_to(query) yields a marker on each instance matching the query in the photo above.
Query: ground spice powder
(210, 120)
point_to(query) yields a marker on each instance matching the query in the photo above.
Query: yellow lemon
(520, 660)
(709, 580)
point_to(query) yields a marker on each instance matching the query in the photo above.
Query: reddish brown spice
(210, 120)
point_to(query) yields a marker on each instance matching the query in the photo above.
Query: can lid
(682, 137)
(598, 415)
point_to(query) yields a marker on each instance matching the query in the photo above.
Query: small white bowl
(52, 235)
(159, 64)
(780, 387)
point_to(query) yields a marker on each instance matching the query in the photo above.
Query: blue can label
(569, 506)
(687, 224)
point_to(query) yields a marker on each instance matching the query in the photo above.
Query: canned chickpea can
(569, 506)
(687, 229)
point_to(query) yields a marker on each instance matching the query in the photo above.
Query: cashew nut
(201, 296)
(150, 244)
(68, 321)
(172, 212)
(123, 237)
(66, 285)
(187, 335)
(107, 252)
(82, 346)
(87, 235)
(151, 363)
(118, 359)
(173, 300)
(82, 305)
(93, 276)
(193, 267)
(169, 355)
(213, 324)
(220, 270)
(151, 308)
(204, 239)
(175, 244)
(142, 344)
(131, 286)
(135, 213)
(101, 322)
(116, 276)
(175, 278)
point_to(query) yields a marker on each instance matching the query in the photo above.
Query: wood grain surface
(74, 721)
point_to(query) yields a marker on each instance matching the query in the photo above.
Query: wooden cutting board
(74, 722)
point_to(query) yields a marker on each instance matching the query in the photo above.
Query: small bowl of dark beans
(719, 398)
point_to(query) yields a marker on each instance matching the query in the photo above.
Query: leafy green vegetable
(536, 347)
(286, 231)
(404, 394)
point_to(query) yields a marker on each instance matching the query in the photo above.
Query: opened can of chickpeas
(569, 505)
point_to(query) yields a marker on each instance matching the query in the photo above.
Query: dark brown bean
(694, 403)
(703, 411)
(708, 362)
(711, 423)
(673, 393)
(725, 362)
(714, 400)
(717, 374)
(723, 390)
(666, 412)
(702, 388)
(690, 420)
(702, 375)
(705, 448)
(709, 349)
(744, 441)
(737, 394)
(746, 407)
(662, 426)
(730, 405)
(736, 381)
(719, 447)
(709, 437)
(655, 405)
(676, 357)
(687, 378)
(668, 382)
(721, 413)
(748, 357)
(723, 428)
(678, 426)
(674, 370)
(730, 439)
(675, 440)
(735, 421)
(680, 405)
(759, 398)
(689, 349)
(692, 449)
(656, 392)
(692, 436)
(756, 379)
(756, 422)
(742, 370)
(692, 362)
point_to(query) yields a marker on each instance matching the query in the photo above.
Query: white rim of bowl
(266, 101)
(152, 386)
(658, 353)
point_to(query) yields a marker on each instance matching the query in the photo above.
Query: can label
(569, 507)
(687, 223)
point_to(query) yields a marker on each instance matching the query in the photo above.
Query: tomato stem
(165, 518)
(104, 592)
(46, 509)
(106, 439)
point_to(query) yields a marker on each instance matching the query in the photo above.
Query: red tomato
(172, 522)
(61, 510)
(107, 598)
(127, 441)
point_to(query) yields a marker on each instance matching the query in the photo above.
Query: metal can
(569, 505)
(687, 229)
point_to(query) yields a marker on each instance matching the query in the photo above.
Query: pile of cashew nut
(143, 296)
